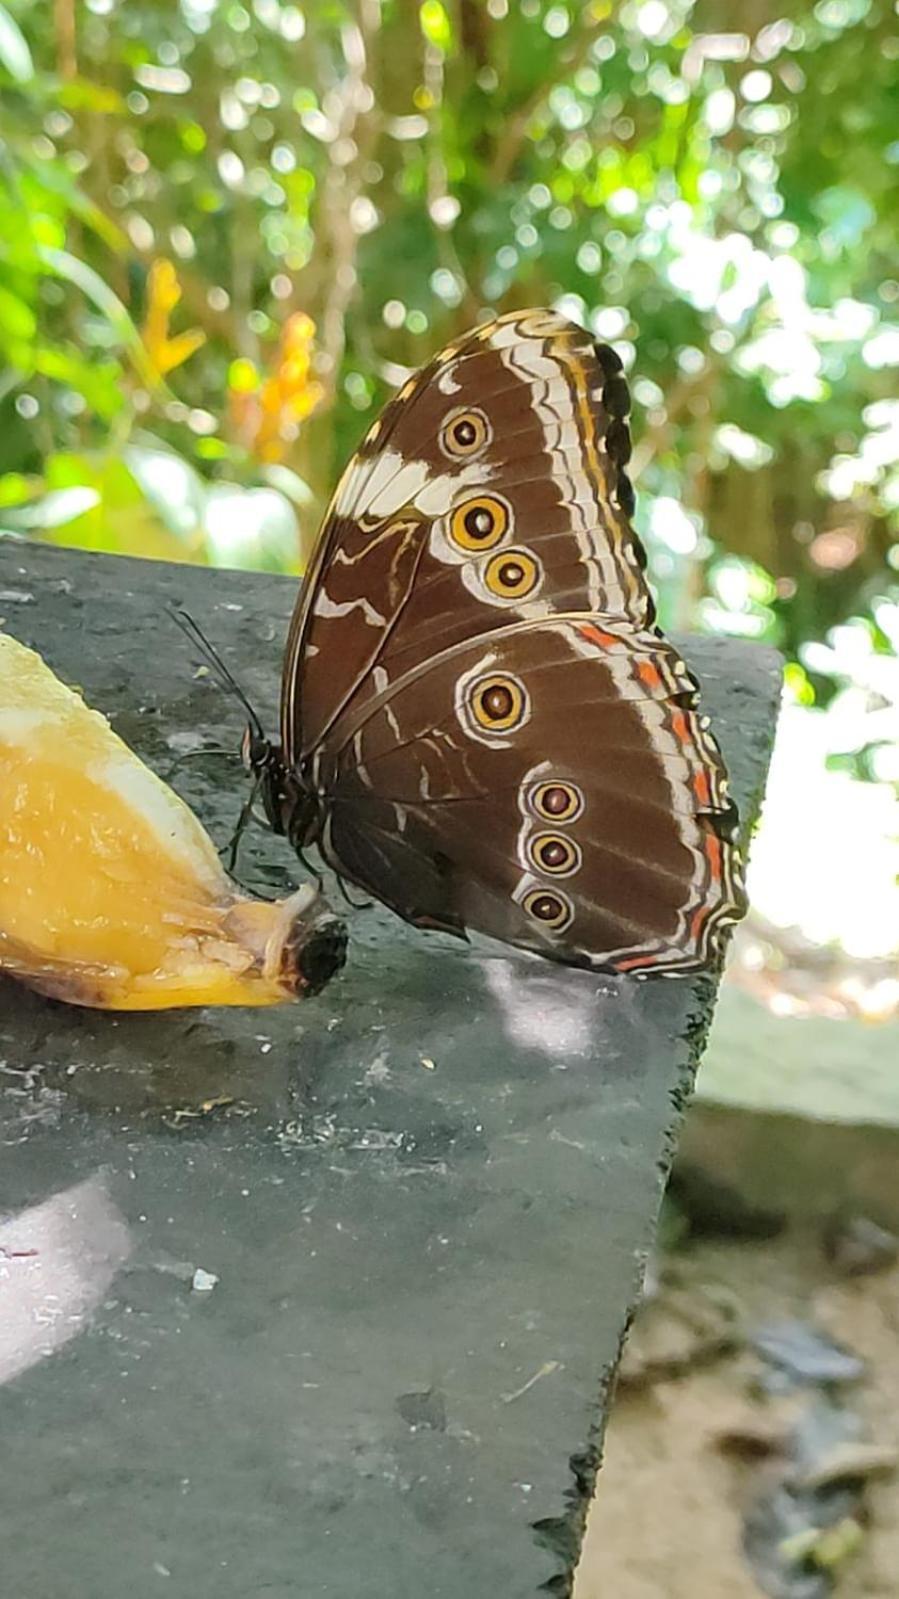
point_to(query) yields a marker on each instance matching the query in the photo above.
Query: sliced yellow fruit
(111, 891)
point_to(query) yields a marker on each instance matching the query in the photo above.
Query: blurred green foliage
(712, 188)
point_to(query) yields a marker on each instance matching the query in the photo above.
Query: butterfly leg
(312, 871)
(232, 848)
(357, 905)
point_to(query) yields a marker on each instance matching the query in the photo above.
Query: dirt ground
(667, 1522)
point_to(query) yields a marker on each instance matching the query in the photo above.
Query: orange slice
(111, 891)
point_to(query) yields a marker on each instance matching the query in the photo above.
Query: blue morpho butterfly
(481, 724)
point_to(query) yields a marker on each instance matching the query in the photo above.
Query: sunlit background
(228, 232)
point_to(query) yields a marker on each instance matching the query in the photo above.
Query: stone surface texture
(426, 1197)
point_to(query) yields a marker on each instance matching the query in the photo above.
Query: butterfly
(481, 723)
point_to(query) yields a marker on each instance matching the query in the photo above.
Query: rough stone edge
(564, 1535)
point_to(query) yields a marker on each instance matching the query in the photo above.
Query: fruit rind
(111, 891)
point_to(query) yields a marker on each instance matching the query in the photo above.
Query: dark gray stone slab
(428, 1203)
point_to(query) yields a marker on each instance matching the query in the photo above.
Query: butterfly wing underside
(500, 737)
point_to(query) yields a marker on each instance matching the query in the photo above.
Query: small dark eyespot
(687, 696)
(497, 702)
(479, 524)
(545, 907)
(726, 823)
(626, 497)
(618, 442)
(554, 853)
(512, 575)
(480, 521)
(616, 397)
(640, 555)
(554, 911)
(464, 434)
(558, 802)
(609, 359)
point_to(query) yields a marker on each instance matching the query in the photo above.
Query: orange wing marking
(595, 635)
(637, 960)
(649, 674)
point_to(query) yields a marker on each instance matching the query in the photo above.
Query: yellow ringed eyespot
(479, 524)
(464, 433)
(551, 909)
(554, 853)
(556, 802)
(512, 575)
(498, 703)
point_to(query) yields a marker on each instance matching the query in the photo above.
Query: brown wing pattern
(539, 493)
(550, 785)
(496, 734)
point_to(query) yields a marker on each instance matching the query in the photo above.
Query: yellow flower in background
(268, 412)
(166, 351)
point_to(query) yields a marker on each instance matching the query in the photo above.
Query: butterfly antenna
(210, 654)
(195, 755)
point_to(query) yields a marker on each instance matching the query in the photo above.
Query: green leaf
(17, 320)
(16, 489)
(53, 510)
(14, 52)
(99, 382)
(66, 266)
(170, 485)
(54, 179)
(119, 519)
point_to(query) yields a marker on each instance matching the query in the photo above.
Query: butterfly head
(262, 760)
(255, 750)
(291, 808)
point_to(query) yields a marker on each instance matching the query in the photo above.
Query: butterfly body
(481, 724)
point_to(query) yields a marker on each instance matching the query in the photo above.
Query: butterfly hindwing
(550, 785)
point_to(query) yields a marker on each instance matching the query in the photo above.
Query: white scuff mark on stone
(556, 1137)
(546, 1370)
(377, 1139)
(378, 1072)
(202, 1281)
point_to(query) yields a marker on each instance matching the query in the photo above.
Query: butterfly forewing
(488, 492)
